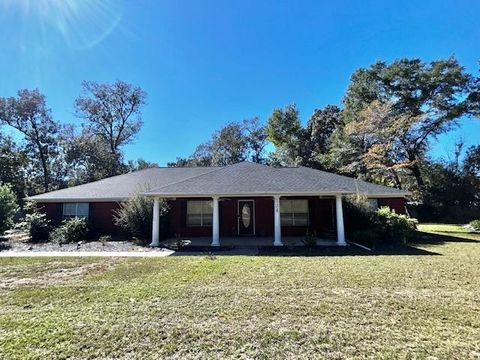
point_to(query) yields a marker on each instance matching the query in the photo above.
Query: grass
(382, 306)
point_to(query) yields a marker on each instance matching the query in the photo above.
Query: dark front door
(246, 217)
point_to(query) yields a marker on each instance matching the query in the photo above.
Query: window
(75, 210)
(199, 213)
(294, 212)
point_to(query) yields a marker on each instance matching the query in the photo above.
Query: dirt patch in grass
(51, 272)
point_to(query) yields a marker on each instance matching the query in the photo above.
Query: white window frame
(203, 214)
(293, 222)
(76, 212)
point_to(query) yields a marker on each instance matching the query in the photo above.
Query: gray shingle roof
(247, 178)
(244, 178)
(118, 188)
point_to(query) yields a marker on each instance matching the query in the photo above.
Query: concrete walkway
(161, 253)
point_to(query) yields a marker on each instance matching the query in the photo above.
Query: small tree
(135, 216)
(35, 223)
(8, 207)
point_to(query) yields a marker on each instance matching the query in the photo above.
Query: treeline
(390, 115)
(53, 155)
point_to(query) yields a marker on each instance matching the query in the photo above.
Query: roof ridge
(207, 173)
(187, 179)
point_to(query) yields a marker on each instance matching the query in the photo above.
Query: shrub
(8, 207)
(395, 227)
(135, 216)
(475, 225)
(70, 231)
(105, 238)
(357, 215)
(380, 228)
(35, 223)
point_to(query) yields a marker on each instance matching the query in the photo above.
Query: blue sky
(205, 63)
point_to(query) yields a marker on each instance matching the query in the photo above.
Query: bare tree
(256, 138)
(112, 112)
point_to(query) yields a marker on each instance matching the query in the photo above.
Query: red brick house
(244, 199)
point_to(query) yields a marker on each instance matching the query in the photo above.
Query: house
(243, 199)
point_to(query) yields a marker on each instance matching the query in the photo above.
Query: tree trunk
(396, 179)
(418, 176)
(43, 160)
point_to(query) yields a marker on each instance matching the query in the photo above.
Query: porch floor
(241, 241)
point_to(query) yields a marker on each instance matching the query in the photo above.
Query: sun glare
(82, 23)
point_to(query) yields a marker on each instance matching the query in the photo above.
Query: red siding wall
(322, 215)
(397, 204)
(177, 221)
(54, 211)
(100, 216)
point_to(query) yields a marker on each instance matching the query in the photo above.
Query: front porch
(253, 220)
(240, 241)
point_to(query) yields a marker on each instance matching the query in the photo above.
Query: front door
(246, 217)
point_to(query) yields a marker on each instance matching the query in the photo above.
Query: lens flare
(81, 23)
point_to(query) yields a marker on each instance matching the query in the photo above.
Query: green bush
(8, 207)
(378, 228)
(70, 231)
(475, 225)
(394, 227)
(357, 215)
(135, 217)
(105, 238)
(35, 223)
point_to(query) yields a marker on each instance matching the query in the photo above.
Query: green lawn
(376, 306)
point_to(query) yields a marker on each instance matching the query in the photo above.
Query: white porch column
(215, 223)
(276, 216)
(340, 226)
(156, 223)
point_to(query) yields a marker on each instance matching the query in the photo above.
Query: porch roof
(246, 178)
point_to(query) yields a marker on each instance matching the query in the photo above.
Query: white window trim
(65, 216)
(202, 214)
(293, 213)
